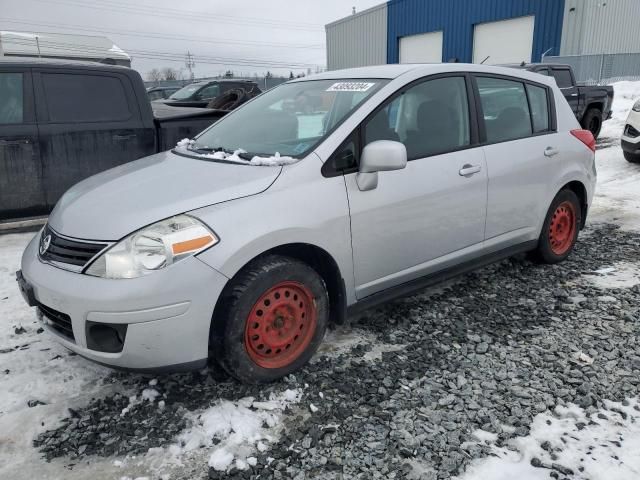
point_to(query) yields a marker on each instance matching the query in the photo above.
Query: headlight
(153, 248)
(636, 106)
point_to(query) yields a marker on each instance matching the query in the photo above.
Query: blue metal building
(457, 20)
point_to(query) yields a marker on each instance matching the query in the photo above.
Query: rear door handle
(550, 151)
(15, 141)
(468, 170)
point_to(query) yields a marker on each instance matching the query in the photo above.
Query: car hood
(114, 203)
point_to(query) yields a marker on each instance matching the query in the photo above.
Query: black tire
(544, 253)
(631, 157)
(237, 304)
(592, 121)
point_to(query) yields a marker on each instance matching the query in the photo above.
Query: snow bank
(617, 196)
(625, 95)
(271, 161)
(605, 445)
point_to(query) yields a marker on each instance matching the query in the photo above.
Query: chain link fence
(601, 69)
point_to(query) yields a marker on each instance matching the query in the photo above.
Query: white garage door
(423, 48)
(507, 41)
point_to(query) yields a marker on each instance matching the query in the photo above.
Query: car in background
(245, 242)
(159, 93)
(631, 135)
(199, 94)
(62, 121)
(590, 104)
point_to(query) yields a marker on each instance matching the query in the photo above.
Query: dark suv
(199, 94)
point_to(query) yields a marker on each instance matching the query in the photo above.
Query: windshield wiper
(205, 149)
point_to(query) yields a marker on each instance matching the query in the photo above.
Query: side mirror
(379, 156)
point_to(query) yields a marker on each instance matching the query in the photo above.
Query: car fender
(302, 207)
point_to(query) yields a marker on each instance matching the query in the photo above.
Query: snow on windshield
(267, 161)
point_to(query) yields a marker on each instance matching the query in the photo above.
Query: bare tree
(169, 73)
(154, 75)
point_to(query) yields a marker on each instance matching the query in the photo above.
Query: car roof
(423, 69)
(55, 62)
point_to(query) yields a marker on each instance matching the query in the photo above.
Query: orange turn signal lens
(191, 245)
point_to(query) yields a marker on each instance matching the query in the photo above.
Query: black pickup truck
(591, 104)
(63, 121)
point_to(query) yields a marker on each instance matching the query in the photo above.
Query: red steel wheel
(281, 325)
(562, 228)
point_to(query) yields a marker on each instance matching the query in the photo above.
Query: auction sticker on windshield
(350, 87)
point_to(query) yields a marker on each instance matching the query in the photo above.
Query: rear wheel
(271, 319)
(592, 121)
(560, 230)
(631, 157)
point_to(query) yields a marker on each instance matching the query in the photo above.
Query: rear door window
(11, 98)
(505, 109)
(563, 77)
(75, 98)
(539, 108)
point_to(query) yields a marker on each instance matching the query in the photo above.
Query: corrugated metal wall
(358, 40)
(598, 26)
(457, 18)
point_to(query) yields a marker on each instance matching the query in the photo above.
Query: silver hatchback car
(321, 196)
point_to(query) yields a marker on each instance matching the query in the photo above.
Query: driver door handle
(468, 170)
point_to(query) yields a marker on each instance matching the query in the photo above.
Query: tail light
(586, 137)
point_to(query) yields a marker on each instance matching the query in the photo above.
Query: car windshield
(288, 120)
(186, 92)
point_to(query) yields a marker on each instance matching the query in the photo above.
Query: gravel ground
(488, 352)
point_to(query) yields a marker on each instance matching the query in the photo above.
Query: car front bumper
(167, 314)
(631, 144)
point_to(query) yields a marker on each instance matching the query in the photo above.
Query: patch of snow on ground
(604, 445)
(340, 340)
(620, 275)
(617, 198)
(236, 429)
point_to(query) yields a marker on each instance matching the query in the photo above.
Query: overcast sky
(247, 35)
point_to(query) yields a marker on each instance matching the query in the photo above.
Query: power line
(158, 55)
(130, 33)
(204, 17)
(202, 14)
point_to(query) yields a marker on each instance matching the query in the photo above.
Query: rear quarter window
(74, 98)
(539, 108)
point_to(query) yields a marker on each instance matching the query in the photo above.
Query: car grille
(60, 322)
(67, 251)
(631, 132)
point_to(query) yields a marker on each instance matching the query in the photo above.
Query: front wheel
(271, 319)
(560, 230)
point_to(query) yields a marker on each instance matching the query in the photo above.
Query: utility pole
(38, 45)
(190, 64)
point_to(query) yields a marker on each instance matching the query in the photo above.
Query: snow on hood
(270, 161)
